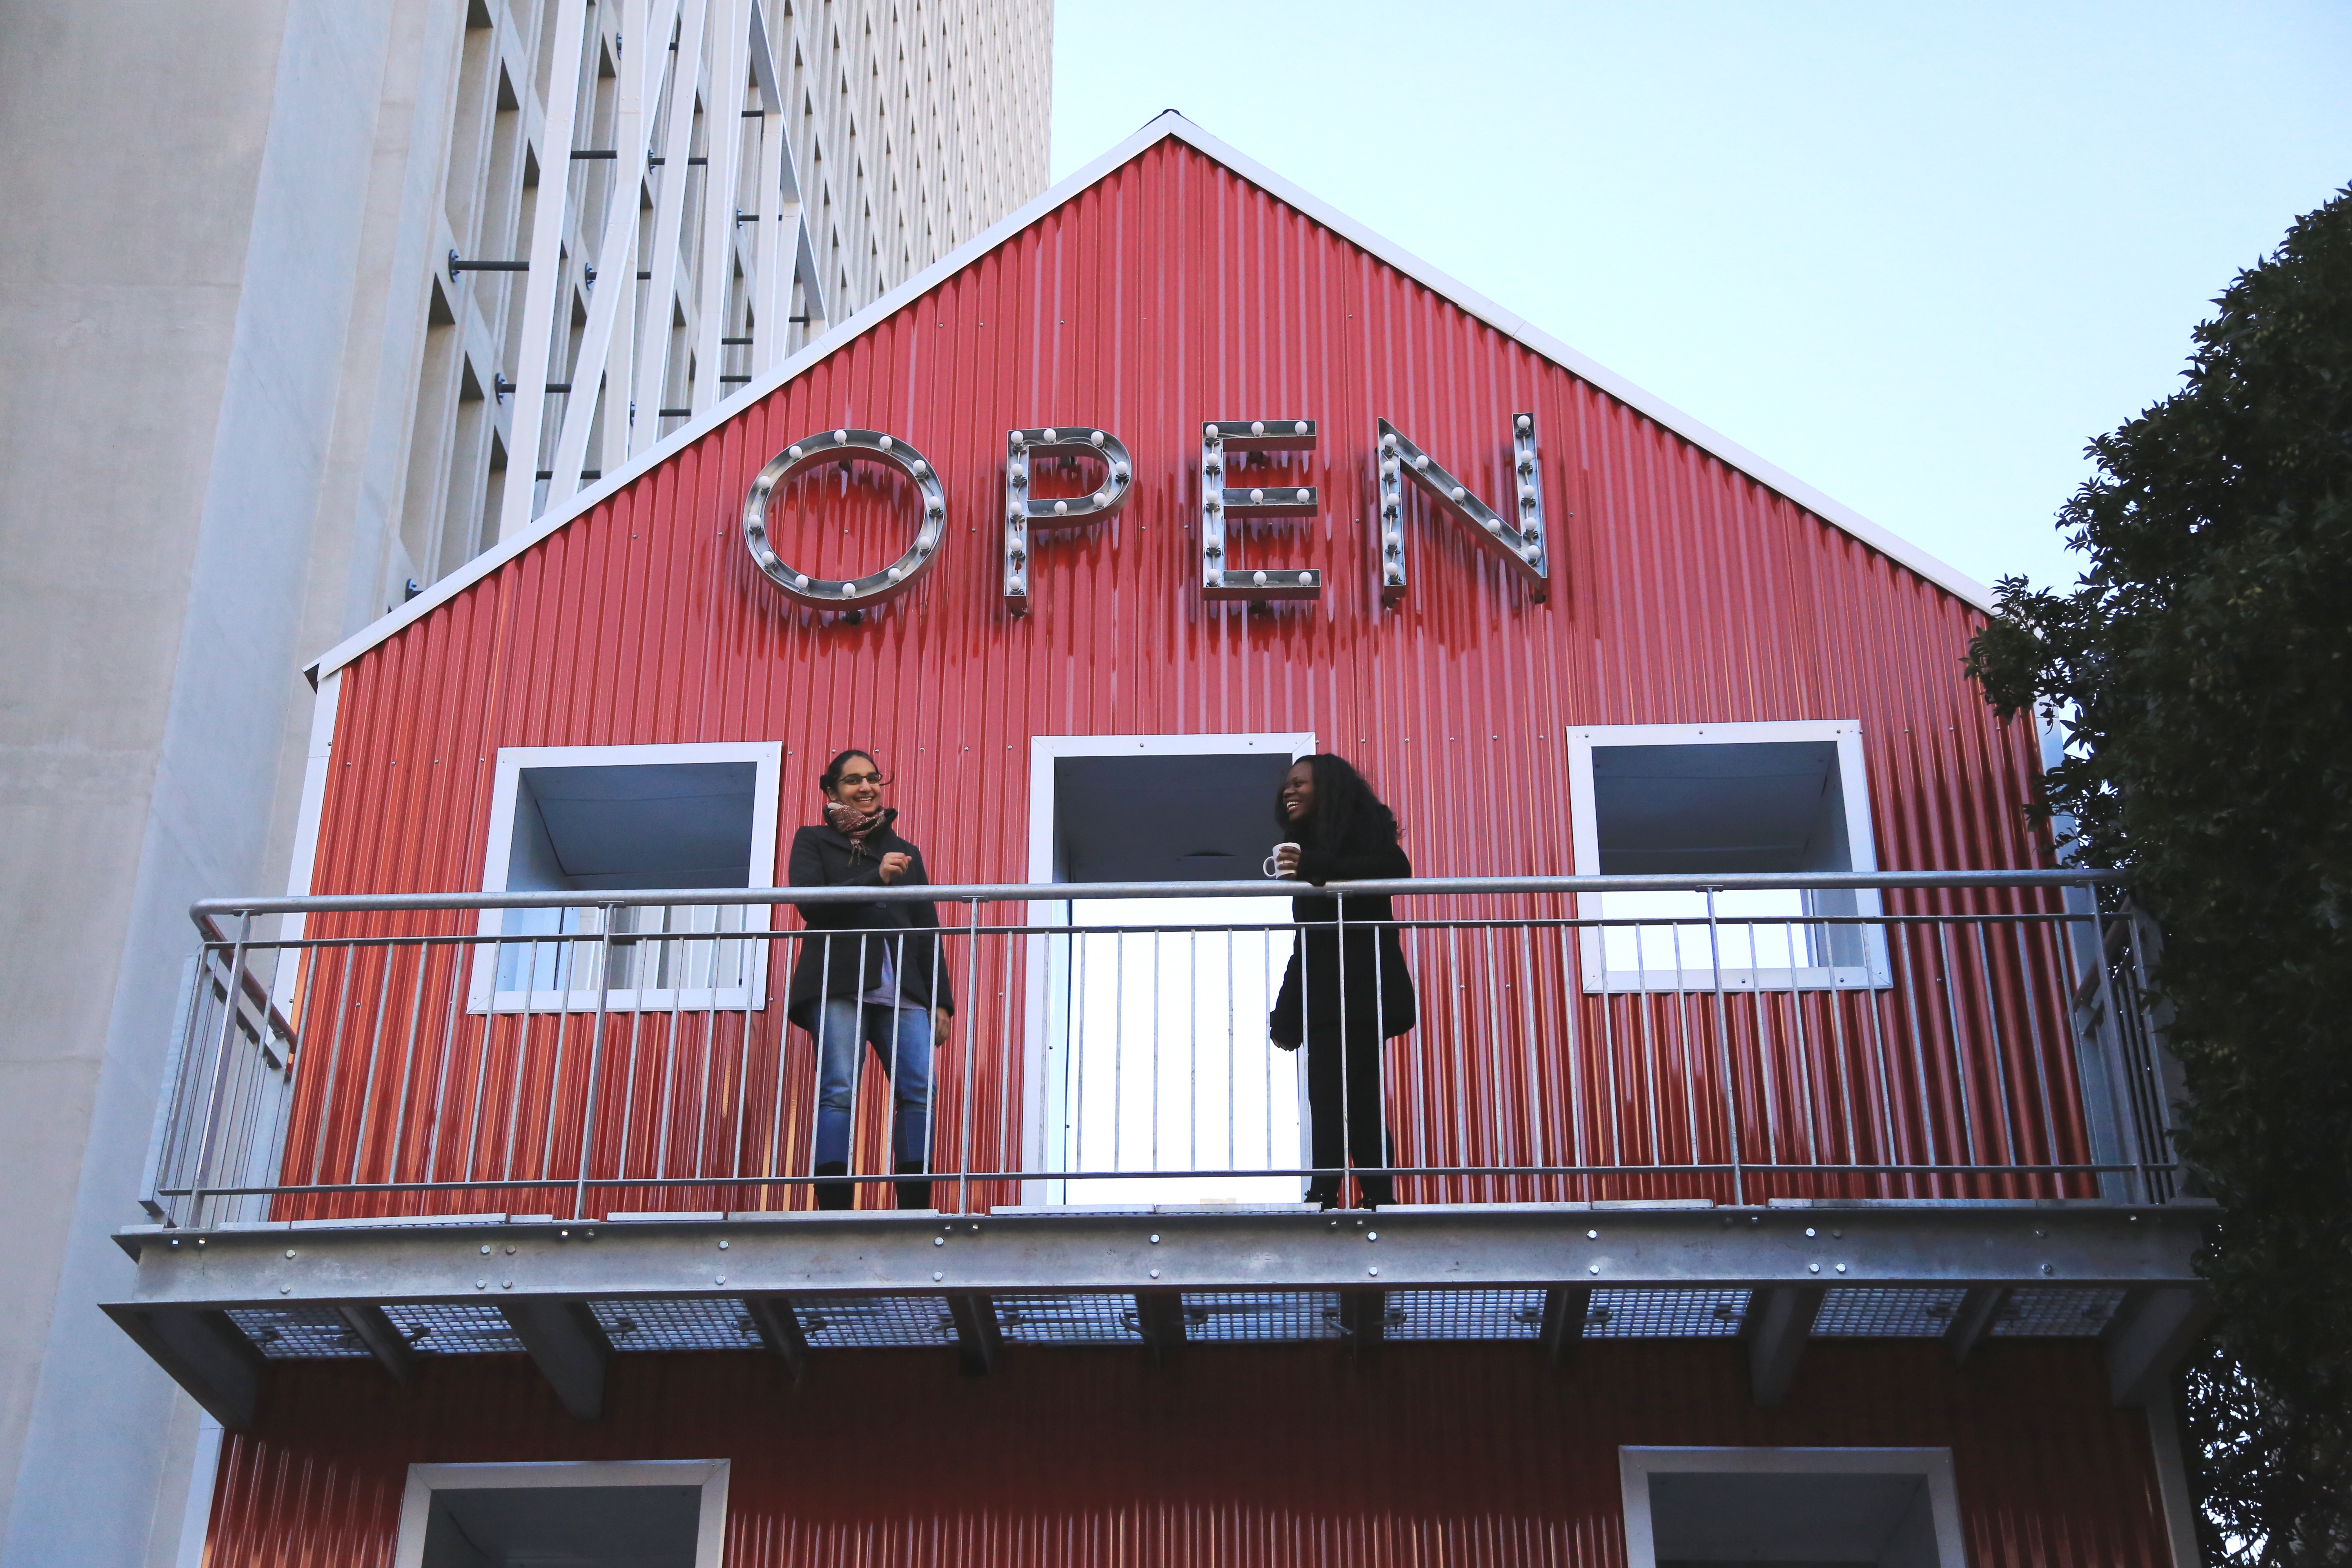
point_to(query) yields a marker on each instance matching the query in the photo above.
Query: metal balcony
(1912, 1105)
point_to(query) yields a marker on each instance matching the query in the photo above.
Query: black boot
(913, 1195)
(835, 1194)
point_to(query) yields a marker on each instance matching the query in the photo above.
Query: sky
(1917, 256)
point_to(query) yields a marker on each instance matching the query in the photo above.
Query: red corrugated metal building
(1685, 584)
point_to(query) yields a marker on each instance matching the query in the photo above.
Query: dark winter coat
(850, 965)
(1378, 990)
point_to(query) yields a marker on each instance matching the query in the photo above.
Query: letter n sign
(1516, 535)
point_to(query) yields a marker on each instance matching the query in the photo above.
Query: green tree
(2201, 670)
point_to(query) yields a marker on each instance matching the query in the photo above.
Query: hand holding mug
(1283, 862)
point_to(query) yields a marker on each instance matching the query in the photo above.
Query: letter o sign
(855, 593)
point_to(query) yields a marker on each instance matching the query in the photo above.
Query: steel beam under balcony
(281, 1263)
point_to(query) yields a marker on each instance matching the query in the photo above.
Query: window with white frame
(604, 819)
(1711, 1507)
(1692, 801)
(646, 1513)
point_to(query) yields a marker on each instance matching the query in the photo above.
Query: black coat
(849, 966)
(1378, 990)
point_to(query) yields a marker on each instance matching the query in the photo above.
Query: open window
(1713, 1508)
(1148, 1049)
(596, 819)
(663, 1513)
(1700, 800)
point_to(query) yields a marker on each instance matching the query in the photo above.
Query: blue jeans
(901, 1038)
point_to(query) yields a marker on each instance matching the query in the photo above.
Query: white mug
(1267, 865)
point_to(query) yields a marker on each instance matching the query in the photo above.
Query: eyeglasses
(851, 781)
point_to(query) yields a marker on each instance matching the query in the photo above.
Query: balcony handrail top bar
(1021, 892)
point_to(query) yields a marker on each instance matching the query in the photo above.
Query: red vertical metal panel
(1463, 1456)
(1170, 292)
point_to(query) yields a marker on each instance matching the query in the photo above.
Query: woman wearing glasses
(871, 973)
(1342, 994)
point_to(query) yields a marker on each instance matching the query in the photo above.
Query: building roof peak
(1168, 123)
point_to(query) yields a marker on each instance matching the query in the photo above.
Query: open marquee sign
(1513, 531)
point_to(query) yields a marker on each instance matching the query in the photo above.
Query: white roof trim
(1167, 124)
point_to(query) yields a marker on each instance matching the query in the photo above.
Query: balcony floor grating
(1859, 1312)
(297, 1334)
(1211, 1316)
(2057, 1314)
(1465, 1314)
(1067, 1320)
(689, 1325)
(1664, 1314)
(876, 1323)
(454, 1328)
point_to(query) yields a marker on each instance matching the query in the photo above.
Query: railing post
(970, 1006)
(595, 1058)
(232, 998)
(1723, 1051)
(184, 1024)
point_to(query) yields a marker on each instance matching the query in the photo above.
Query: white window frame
(482, 996)
(1040, 1105)
(1635, 1466)
(1862, 843)
(425, 1480)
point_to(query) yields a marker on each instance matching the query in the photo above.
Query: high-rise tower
(305, 303)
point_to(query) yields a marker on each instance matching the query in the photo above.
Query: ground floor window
(666, 1513)
(1855, 1508)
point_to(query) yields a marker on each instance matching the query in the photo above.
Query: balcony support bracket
(780, 1329)
(979, 1341)
(1973, 1320)
(2150, 1332)
(1363, 1317)
(205, 1354)
(381, 1337)
(1564, 1310)
(568, 1348)
(1779, 1320)
(1160, 1319)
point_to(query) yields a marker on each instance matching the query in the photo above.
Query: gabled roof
(1168, 124)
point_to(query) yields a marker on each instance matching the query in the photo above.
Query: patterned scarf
(854, 825)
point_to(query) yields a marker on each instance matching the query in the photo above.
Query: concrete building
(261, 387)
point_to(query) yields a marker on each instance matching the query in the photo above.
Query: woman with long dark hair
(878, 979)
(1343, 995)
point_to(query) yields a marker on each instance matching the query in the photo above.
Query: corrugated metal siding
(1453, 1456)
(1172, 291)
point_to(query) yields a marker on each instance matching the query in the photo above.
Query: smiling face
(1298, 794)
(858, 785)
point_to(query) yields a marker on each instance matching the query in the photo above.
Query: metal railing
(1934, 1036)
